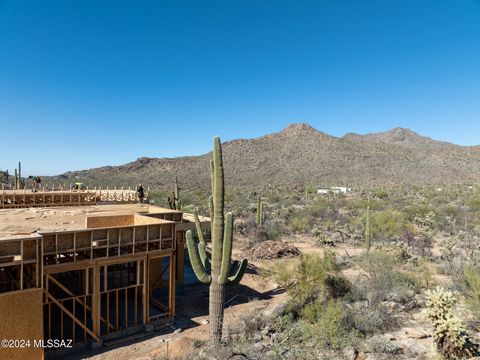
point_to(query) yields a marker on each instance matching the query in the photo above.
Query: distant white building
(334, 190)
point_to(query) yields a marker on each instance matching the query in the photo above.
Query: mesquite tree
(216, 268)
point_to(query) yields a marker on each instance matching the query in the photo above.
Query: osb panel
(100, 234)
(140, 233)
(144, 220)
(113, 236)
(26, 322)
(9, 248)
(48, 243)
(154, 232)
(126, 235)
(167, 231)
(30, 250)
(83, 239)
(109, 221)
(65, 241)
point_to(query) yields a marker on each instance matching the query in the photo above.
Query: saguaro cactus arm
(202, 244)
(197, 265)
(237, 276)
(210, 208)
(227, 249)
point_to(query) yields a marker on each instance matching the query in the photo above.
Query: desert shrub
(361, 204)
(450, 335)
(420, 214)
(386, 225)
(337, 286)
(471, 289)
(316, 290)
(381, 194)
(300, 224)
(421, 271)
(249, 325)
(458, 251)
(369, 319)
(451, 218)
(305, 280)
(381, 279)
(270, 230)
(415, 243)
(328, 324)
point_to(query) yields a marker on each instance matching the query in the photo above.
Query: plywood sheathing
(22, 318)
(32, 220)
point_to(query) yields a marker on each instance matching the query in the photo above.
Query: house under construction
(71, 268)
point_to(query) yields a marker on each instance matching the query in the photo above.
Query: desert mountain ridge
(301, 154)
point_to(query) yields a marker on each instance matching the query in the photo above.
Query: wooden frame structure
(106, 280)
(45, 198)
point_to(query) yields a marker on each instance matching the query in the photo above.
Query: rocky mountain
(300, 154)
(402, 137)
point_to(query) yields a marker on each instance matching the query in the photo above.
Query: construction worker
(140, 193)
(35, 182)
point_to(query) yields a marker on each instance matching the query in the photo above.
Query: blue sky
(90, 83)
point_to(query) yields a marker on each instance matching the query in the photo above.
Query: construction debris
(270, 249)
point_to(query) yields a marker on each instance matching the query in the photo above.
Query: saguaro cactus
(20, 175)
(217, 270)
(259, 219)
(368, 228)
(176, 196)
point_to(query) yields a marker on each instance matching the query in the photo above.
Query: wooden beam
(61, 286)
(65, 310)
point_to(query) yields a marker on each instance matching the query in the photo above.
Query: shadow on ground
(191, 302)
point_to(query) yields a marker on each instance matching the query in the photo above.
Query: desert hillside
(300, 154)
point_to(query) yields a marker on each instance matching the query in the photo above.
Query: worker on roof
(140, 194)
(35, 182)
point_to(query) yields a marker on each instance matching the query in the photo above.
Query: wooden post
(96, 301)
(145, 295)
(172, 286)
(180, 256)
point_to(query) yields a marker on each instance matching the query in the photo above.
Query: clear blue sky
(87, 83)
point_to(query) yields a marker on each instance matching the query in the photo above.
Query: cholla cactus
(440, 304)
(450, 334)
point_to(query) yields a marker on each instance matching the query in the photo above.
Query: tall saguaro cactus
(259, 219)
(20, 175)
(217, 270)
(19, 183)
(176, 196)
(368, 228)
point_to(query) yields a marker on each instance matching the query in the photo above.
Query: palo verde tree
(216, 268)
